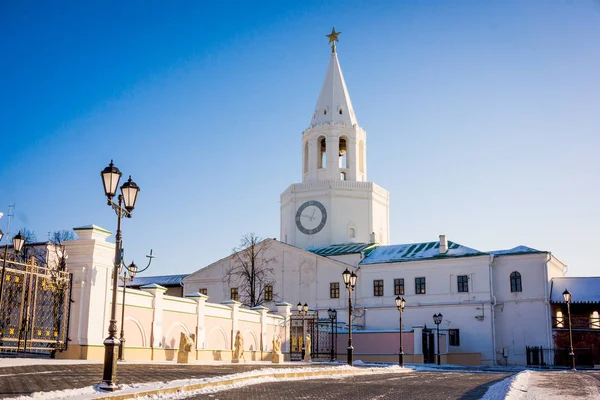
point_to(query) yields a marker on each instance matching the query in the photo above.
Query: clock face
(311, 217)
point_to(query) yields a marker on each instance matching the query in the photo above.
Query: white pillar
(285, 310)
(200, 313)
(263, 326)
(235, 308)
(157, 318)
(91, 263)
(418, 339)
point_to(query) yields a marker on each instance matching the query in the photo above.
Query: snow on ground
(93, 392)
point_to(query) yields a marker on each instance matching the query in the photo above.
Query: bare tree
(251, 270)
(29, 248)
(58, 238)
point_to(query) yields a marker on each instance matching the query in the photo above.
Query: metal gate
(323, 334)
(34, 307)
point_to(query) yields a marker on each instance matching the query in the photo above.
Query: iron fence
(323, 333)
(540, 357)
(34, 307)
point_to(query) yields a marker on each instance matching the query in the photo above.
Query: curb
(230, 381)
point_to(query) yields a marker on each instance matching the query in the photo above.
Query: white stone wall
(523, 318)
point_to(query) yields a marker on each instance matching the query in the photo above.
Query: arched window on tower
(343, 154)
(322, 153)
(305, 157)
(342, 176)
(361, 156)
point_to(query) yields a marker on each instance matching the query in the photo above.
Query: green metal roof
(343, 249)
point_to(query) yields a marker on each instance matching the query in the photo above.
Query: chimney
(443, 244)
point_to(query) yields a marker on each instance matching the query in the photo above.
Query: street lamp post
(333, 317)
(400, 303)
(437, 319)
(126, 203)
(303, 312)
(350, 282)
(567, 298)
(18, 242)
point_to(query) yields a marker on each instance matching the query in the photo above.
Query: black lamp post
(18, 242)
(332, 317)
(303, 312)
(567, 298)
(400, 303)
(126, 203)
(350, 282)
(437, 319)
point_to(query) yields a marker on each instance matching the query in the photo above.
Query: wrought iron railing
(34, 307)
(541, 357)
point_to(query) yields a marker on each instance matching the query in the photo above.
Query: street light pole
(129, 192)
(437, 319)
(350, 282)
(400, 303)
(333, 317)
(567, 298)
(18, 242)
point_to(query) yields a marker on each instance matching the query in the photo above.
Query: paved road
(24, 380)
(403, 386)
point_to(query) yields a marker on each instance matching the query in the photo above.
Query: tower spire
(333, 37)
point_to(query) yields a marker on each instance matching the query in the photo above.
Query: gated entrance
(34, 307)
(428, 348)
(323, 334)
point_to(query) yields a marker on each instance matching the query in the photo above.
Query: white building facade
(494, 304)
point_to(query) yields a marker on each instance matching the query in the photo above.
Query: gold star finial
(333, 37)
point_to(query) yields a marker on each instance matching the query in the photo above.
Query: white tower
(334, 204)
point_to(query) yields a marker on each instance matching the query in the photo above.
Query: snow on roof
(417, 251)
(516, 250)
(582, 289)
(341, 249)
(163, 280)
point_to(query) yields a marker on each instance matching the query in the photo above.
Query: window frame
(334, 290)
(203, 291)
(454, 337)
(516, 282)
(268, 293)
(422, 285)
(235, 291)
(399, 288)
(378, 287)
(462, 286)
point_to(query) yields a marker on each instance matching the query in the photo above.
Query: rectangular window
(234, 294)
(334, 290)
(268, 293)
(463, 283)
(399, 287)
(453, 337)
(378, 287)
(419, 285)
(203, 291)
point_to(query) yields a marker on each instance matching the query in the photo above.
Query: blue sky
(482, 118)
